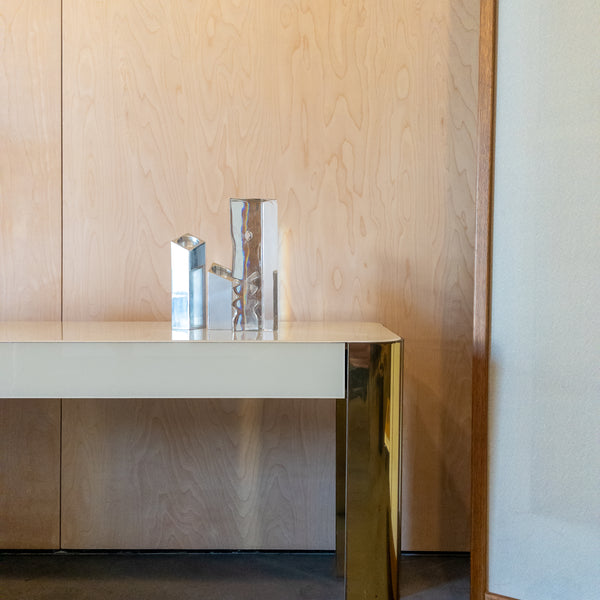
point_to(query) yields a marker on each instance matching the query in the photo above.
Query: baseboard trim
(489, 596)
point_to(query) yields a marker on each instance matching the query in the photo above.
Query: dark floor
(205, 576)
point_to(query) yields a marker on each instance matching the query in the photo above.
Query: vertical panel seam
(62, 237)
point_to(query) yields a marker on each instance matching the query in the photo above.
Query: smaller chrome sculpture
(188, 283)
(219, 299)
(245, 298)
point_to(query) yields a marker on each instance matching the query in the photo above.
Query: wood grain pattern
(482, 297)
(30, 162)
(29, 474)
(30, 258)
(228, 474)
(360, 118)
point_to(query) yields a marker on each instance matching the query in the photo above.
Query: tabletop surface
(160, 331)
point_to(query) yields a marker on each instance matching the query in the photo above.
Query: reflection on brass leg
(372, 471)
(340, 487)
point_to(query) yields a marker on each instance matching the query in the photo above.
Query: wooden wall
(358, 117)
(29, 473)
(30, 160)
(226, 474)
(30, 257)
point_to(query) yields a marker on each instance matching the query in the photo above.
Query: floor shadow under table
(211, 576)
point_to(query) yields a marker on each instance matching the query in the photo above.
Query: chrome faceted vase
(255, 241)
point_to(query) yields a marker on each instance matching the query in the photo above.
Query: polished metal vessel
(219, 309)
(188, 283)
(255, 241)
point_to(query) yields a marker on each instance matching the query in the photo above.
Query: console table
(358, 364)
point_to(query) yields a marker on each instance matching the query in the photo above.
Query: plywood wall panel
(30, 160)
(358, 117)
(437, 307)
(29, 474)
(227, 474)
(30, 258)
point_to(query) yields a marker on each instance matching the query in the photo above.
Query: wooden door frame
(482, 296)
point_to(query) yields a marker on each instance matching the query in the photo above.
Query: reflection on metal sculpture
(188, 289)
(245, 297)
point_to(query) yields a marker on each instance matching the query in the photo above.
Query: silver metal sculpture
(255, 256)
(220, 311)
(188, 283)
(244, 298)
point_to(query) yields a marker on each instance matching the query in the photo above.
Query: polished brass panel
(372, 462)
(340, 485)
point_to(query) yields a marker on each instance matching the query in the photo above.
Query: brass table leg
(372, 417)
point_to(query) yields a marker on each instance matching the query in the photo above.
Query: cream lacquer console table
(358, 364)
